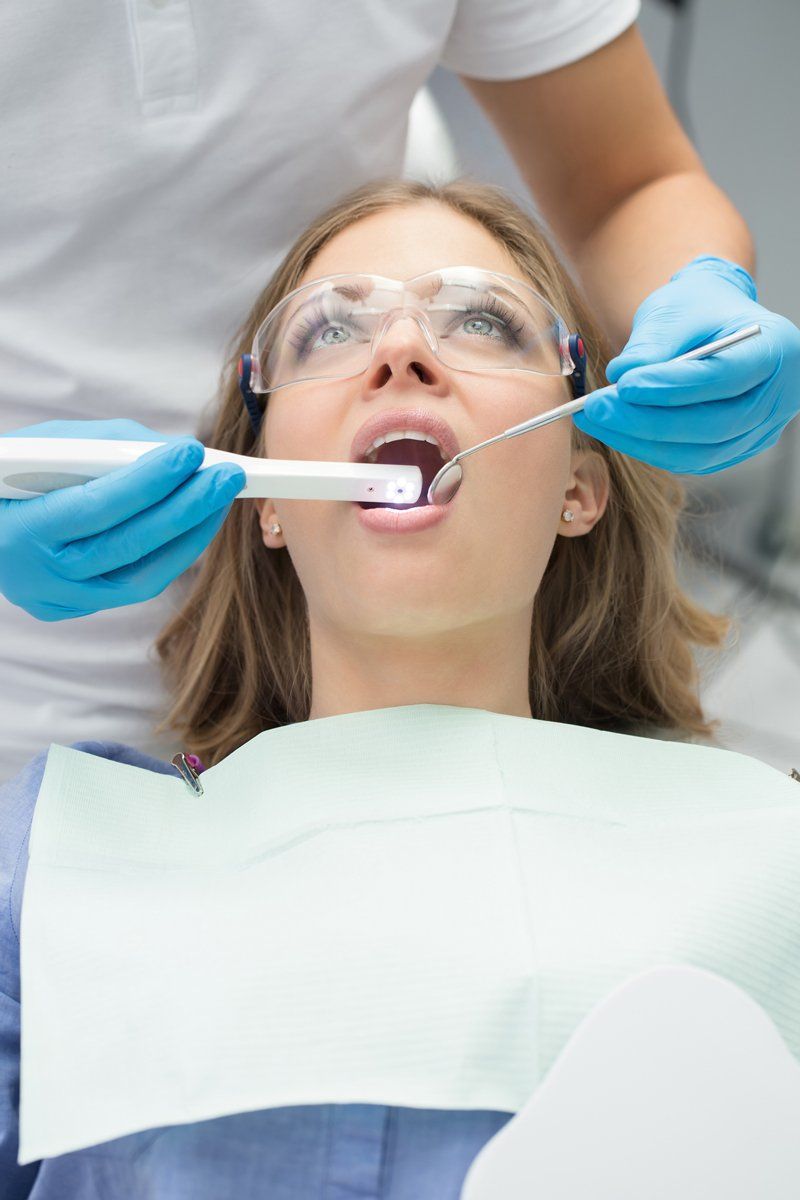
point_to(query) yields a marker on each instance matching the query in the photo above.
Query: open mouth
(408, 452)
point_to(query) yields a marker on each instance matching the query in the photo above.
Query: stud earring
(275, 528)
(568, 515)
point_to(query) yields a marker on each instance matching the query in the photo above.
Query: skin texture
(441, 616)
(614, 175)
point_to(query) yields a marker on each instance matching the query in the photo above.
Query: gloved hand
(706, 414)
(118, 539)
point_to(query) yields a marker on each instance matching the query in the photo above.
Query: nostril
(385, 373)
(421, 372)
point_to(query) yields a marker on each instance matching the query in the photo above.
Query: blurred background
(730, 69)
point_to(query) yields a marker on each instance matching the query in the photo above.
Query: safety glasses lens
(328, 331)
(491, 328)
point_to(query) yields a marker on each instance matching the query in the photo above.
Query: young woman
(544, 595)
(549, 590)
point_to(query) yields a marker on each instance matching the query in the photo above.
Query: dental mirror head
(445, 483)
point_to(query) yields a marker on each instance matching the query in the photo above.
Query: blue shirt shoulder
(17, 803)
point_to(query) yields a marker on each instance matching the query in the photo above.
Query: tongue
(408, 452)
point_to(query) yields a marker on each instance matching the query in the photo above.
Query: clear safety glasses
(471, 319)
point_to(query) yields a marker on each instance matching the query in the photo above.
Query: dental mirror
(447, 480)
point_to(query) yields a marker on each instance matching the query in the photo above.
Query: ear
(266, 518)
(587, 494)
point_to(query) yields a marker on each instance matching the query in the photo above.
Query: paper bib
(407, 906)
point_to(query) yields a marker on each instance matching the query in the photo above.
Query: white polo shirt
(158, 158)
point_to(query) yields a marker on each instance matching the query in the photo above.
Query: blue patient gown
(304, 1152)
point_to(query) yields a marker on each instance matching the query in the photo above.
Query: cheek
(299, 424)
(536, 478)
(520, 504)
(305, 420)
(532, 467)
(294, 425)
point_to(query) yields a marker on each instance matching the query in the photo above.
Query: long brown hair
(612, 632)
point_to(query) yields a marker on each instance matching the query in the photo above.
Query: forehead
(403, 242)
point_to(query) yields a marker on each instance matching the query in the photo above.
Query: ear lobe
(588, 496)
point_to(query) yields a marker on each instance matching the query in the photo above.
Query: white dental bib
(406, 906)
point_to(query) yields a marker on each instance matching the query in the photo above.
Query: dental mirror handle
(574, 406)
(30, 467)
(448, 478)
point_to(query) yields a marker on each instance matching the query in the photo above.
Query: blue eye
(490, 318)
(480, 325)
(319, 329)
(334, 335)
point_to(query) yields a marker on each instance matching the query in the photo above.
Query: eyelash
(491, 306)
(486, 305)
(312, 325)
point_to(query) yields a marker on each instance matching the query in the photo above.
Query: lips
(397, 419)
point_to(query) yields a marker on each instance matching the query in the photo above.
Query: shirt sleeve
(511, 39)
(17, 803)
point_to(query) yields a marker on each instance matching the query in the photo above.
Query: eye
(481, 325)
(489, 317)
(334, 335)
(319, 329)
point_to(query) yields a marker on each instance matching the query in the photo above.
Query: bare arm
(614, 176)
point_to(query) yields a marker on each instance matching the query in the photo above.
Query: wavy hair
(612, 633)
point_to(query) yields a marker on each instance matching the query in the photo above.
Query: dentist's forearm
(649, 236)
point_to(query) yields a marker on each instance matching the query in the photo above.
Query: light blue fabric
(330, 1152)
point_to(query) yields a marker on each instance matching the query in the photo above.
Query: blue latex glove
(119, 539)
(707, 414)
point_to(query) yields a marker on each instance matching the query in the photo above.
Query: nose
(403, 354)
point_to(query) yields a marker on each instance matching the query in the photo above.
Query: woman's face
(485, 560)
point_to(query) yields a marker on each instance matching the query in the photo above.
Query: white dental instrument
(31, 466)
(447, 480)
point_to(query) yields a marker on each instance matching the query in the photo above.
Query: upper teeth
(372, 451)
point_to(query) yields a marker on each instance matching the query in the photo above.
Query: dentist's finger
(127, 544)
(148, 578)
(68, 514)
(680, 457)
(704, 424)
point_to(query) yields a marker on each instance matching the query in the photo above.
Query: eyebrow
(433, 285)
(356, 291)
(361, 291)
(349, 292)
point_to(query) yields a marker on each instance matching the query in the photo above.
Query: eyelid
(317, 319)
